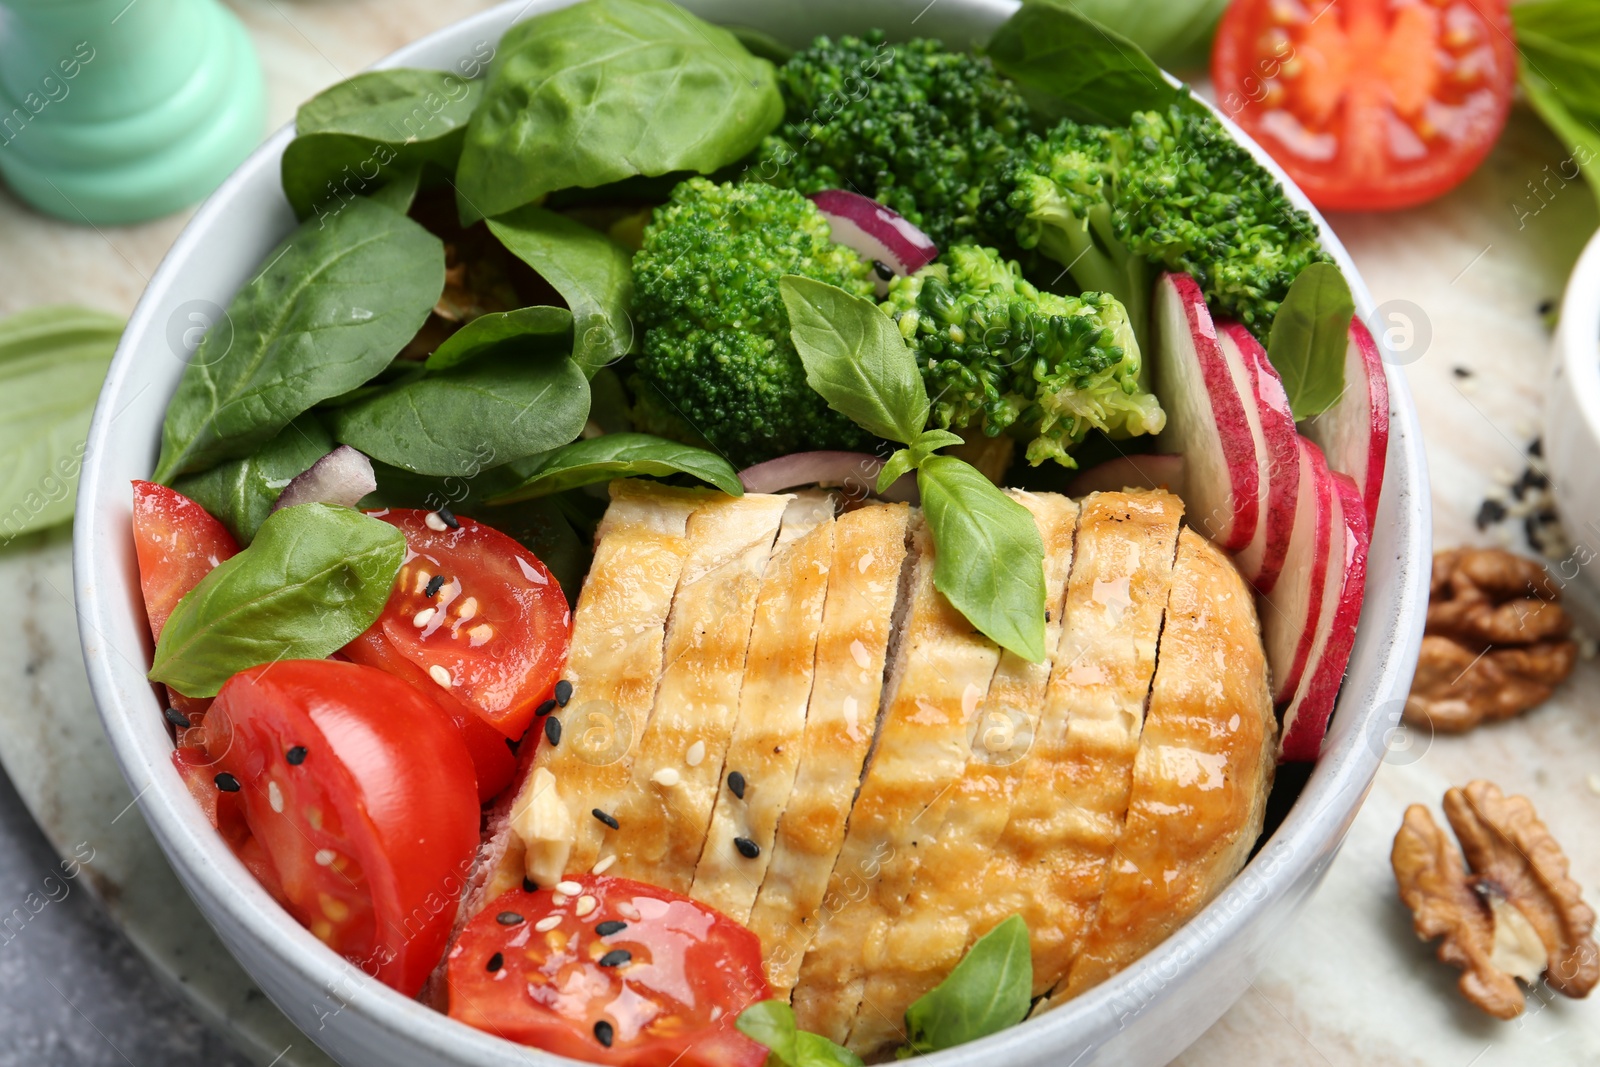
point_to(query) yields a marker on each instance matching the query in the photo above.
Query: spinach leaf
(240, 493)
(508, 329)
(1088, 72)
(333, 305)
(988, 991)
(596, 92)
(593, 274)
(374, 130)
(313, 579)
(771, 1022)
(1309, 337)
(990, 562)
(1558, 42)
(459, 422)
(609, 407)
(1173, 32)
(617, 455)
(855, 357)
(52, 361)
(543, 528)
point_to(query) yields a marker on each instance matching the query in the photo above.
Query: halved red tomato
(361, 796)
(477, 613)
(620, 972)
(1368, 104)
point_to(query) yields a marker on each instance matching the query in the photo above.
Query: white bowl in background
(1572, 410)
(1142, 1017)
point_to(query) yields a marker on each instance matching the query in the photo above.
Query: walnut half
(1514, 915)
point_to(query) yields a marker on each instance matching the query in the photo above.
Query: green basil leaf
(462, 421)
(315, 577)
(1172, 32)
(52, 361)
(240, 493)
(511, 329)
(1089, 73)
(602, 90)
(855, 357)
(593, 274)
(1309, 337)
(988, 991)
(990, 562)
(1558, 42)
(900, 464)
(771, 1022)
(617, 455)
(330, 309)
(910, 458)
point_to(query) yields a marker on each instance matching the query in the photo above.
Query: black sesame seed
(883, 269)
(296, 755)
(508, 918)
(609, 820)
(177, 718)
(227, 782)
(615, 958)
(1546, 306)
(435, 584)
(552, 730)
(736, 784)
(1489, 513)
(1536, 447)
(448, 517)
(603, 1033)
(609, 927)
(546, 708)
(496, 962)
(1461, 372)
(529, 885)
(747, 848)
(563, 692)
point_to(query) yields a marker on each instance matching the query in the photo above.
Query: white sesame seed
(558, 899)
(548, 923)
(571, 889)
(586, 904)
(440, 675)
(435, 523)
(480, 634)
(420, 619)
(665, 776)
(325, 857)
(275, 797)
(627, 910)
(696, 754)
(469, 608)
(604, 865)
(423, 578)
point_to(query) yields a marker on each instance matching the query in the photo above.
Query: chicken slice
(765, 748)
(1203, 772)
(947, 909)
(661, 817)
(940, 674)
(869, 548)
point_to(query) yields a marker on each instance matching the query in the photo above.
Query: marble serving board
(1466, 282)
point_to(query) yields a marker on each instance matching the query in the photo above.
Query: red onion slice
(343, 476)
(880, 235)
(854, 472)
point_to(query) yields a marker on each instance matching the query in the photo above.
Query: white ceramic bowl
(1140, 1018)
(1572, 412)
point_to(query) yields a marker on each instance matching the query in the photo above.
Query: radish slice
(886, 240)
(1354, 433)
(343, 476)
(1277, 454)
(1207, 422)
(854, 472)
(1305, 720)
(1130, 472)
(1291, 613)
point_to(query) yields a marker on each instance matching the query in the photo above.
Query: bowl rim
(1578, 334)
(1294, 856)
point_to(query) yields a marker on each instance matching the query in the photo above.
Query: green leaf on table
(617, 455)
(601, 90)
(990, 559)
(462, 421)
(771, 1022)
(315, 577)
(988, 991)
(855, 357)
(240, 492)
(501, 329)
(1309, 336)
(330, 309)
(593, 274)
(52, 362)
(1084, 70)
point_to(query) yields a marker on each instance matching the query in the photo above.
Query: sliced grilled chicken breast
(1203, 772)
(765, 748)
(661, 819)
(869, 547)
(949, 906)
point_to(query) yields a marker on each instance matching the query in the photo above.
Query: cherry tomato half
(361, 795)
(644, 978)
(1368, 104)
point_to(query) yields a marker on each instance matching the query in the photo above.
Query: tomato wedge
(642, 977)
(360, 795)
(1368, 104)
(477, 613)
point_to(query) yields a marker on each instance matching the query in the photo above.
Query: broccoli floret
(920, 129)
(1000, 356)
(716, 351)
(1173, 190)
